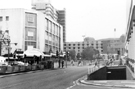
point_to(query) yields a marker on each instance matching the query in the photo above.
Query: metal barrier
(93, 68)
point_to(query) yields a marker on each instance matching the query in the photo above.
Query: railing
(93, 68)
(129, 64)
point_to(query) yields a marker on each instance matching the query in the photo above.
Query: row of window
(51, 43)
(80, 47)
(7, 18)
(79, 44)
(52, 27)
(48, 47)
(81, 51)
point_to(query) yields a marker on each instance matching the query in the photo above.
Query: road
(46, 79)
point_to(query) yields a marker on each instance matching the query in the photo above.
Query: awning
(33, 52)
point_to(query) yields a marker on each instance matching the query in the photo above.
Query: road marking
(74, 84)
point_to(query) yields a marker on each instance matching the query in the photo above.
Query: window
(78, 47)
(1, 18)
(73, 44)
(7, 18)
(73, 47)
(69, 44)
(78, 44)
(69, 48)
(64, 44)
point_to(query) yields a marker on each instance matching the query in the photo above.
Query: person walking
(59, 63)
(62, 63)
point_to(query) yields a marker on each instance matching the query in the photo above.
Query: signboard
(30, 47)
(30, 33)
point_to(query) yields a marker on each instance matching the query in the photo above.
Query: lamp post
(8, 48)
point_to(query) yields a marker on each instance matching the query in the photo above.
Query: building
(113, 45)
(80, 46)
(45, 7)
(130, 36)
(31, 29)
(62, 21)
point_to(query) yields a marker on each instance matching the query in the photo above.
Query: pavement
(110, 83)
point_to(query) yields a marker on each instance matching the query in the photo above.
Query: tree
(89, 53)
(78, 56)
(72, 54)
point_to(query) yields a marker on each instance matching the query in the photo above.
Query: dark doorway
(116, 73)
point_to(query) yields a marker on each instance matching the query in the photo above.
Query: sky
(92, 18)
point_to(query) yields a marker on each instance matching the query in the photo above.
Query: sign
(30, 33)
(30, 47)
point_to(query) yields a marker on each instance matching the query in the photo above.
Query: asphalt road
(46, 79)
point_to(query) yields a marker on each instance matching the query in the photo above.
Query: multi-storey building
(45, 7)
(80, 46)
(113, 45)
(130, 36)
(62, 21)
(31, 29)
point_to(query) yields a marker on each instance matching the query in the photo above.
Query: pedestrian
(62, 63)
(59, 63)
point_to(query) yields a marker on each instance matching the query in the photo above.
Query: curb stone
(98, 84)
(14, 74)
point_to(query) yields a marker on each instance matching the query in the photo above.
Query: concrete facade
(62, 21)
(46, 8)
(130, 36)
(113, 45)
(30, 28)
(80, 46)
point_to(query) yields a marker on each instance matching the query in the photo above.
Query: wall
(129, 74)
(99, 74)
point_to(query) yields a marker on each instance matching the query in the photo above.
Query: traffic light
(118, 52)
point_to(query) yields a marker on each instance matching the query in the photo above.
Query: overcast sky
(92, 18)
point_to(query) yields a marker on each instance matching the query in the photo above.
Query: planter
(22, 68)
(3, 69)
(34, 67)
(9, 69)
(15, 68)
(42, 67)
(29, 68)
